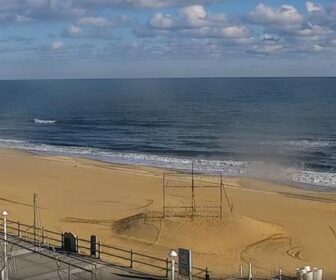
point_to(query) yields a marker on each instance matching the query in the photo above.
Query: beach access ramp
(33, 262)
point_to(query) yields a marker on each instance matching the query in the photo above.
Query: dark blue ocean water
(276, 128)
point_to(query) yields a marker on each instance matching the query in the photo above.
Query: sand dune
(231, 233)
(272, 225)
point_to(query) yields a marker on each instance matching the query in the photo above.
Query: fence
(104, 253)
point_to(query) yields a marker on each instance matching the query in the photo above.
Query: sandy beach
(272, 225)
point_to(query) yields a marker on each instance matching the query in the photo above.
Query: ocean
(272, 128)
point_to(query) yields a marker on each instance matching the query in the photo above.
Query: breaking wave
(39, 121)
(227, 167)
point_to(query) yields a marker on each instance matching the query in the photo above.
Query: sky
(55, 39)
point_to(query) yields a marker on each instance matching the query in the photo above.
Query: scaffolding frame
(192, 209)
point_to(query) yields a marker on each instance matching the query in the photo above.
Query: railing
(17, 241)
(107, 254)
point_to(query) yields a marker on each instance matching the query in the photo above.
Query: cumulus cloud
(22, 11)
(286, 16)
(314, 30)
(195, 16)
(179, 27)
(57, 45)
(161, 21)
(193, 21)
(227, 32)
(95, 21)
(312, 7)
(73, 31)
(147, 4)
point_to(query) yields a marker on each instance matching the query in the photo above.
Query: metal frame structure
(197, 181)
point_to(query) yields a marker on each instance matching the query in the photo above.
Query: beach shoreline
(291, 226)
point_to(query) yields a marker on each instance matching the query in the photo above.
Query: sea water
(272, 128)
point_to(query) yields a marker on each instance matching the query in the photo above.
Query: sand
(272, 225)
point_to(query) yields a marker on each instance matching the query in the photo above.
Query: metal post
(77, 244)
(62, 240)
(192, 189)
(172, 269)
(163, 196)
(221, 196)
(207, 275)
(4, 272)
(241, 271)
(99, 249)
(172, 256)
(131, 265)
(35, 210)
(280, 273)
(167, 267)
(43, 237)
(250, 277)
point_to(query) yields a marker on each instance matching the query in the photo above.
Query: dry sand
(271, 224)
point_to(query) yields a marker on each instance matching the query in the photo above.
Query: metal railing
(70, 262)
(105, 253)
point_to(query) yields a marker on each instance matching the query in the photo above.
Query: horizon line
(167, 78)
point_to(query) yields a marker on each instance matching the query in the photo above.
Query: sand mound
(202, 235)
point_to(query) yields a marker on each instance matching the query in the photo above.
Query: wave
(299, 145)
(39, 121)
(227, 167)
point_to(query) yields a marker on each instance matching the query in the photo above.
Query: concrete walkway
(32, 266)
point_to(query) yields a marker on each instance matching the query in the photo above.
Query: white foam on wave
(227, 167)
(308, 143)
(299, 145)
(309, 177)
(39, 121)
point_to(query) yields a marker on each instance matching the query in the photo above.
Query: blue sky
(166, 38)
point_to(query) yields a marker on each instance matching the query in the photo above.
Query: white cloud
(195, 22)
(228, 32)
(267, 37)
(313, 30)
(74, 30)
(57, 45)
(273, 48)
(268, 48)
(286, 15)
(194, 16)
(95, 21)
(317, 48)
(36, 3)
(151, 4)
(162, 21)
(312, 7)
